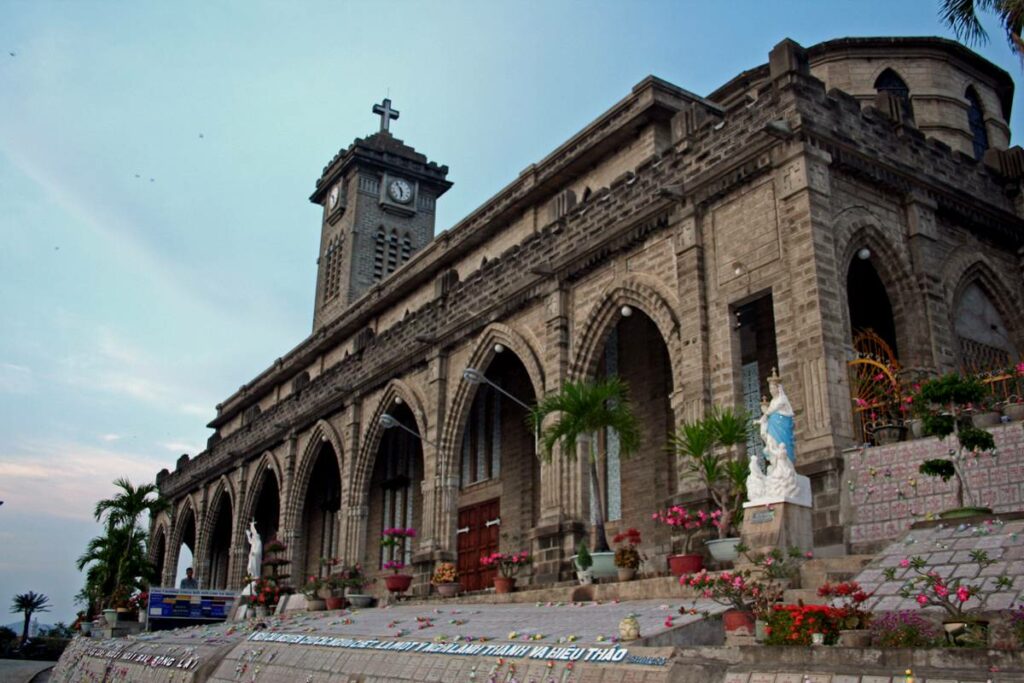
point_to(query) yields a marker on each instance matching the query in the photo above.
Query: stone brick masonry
(885, 494)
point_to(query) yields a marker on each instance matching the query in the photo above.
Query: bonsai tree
(701, 445)
(944, 404)
(29, 603)
(584, 410)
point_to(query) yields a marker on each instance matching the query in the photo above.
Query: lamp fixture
(863, 253)
(626, 311)
(498, 348)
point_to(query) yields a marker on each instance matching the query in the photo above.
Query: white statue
(779, 482)
(255, 565)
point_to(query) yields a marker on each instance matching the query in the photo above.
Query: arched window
(976, 120)
(378, 254)
(890, 83)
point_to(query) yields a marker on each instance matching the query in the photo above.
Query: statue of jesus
(255, 565)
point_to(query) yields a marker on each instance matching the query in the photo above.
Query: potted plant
(963, 625)
(395, 540)
(265, 595)
(943, 405)
(446, 580)
(138, 604)
(356, 583)
(1013, 407)
(802, 625)
(311, 589)
(739, 590)
(708, 449)
(854, 622)
(687, 525)
(508, 565)
(584, 410)
(627, 557)
(583, 562)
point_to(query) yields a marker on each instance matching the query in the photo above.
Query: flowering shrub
(265, 591)
(928, 588)
(394, 565)
(139, 602)
(311, 589)
(394, 537)
(794, 624)
(690, 524)
(445, 573)
(1017, 620)
(777, 564)
(903, 629)
(737, 590)
(508, 564)
(847, 598)
(626, 555)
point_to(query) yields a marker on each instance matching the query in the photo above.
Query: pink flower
(963, 593)
(941, 590)
(904, 563)
(809, 554)
(922, 600)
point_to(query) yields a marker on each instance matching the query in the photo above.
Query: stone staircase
(815, 573)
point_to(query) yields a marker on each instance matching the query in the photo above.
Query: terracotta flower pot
(335, 602)
(685, 564)
(989, 418)
(504, 584)
(1014, 411)
(398, 583)
(626, 573)
(315, 604)
(736, 620)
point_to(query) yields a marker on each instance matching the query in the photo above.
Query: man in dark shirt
(189, 581)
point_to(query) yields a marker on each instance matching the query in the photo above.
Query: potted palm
(583, 562)
(584, 410)
(708, 448)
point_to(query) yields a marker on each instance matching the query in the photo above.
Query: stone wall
(883, 493)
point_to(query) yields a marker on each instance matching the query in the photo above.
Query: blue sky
(155, 163)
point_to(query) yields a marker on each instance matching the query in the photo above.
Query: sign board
(186, 603)
(762, 517)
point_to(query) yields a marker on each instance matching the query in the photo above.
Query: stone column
(239, 546)
(200, 555)
(354, 518)
(287, 529)
(435, 536)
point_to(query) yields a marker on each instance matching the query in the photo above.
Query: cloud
(194, 409)
(181, 447)
(110, 437)
(72, 479)
(16, 379)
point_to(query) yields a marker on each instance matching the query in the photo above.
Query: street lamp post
(474, 376)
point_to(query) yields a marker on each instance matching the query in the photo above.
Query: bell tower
(378, 197)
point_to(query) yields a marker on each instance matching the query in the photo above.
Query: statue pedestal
(781, 525)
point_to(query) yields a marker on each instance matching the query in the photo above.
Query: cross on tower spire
(386, 113)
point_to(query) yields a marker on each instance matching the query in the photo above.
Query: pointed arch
(213, 560)
(889, 82)
(523, 347)
(363, 464)
(222, 487)
(322, 432)
(158, 540)
(970, 266)
(976, 122)
(643, 292)
(185, 510)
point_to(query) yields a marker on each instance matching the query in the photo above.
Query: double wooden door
(478, 534)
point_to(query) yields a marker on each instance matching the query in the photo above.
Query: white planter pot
(586, 577)
(723, 549)
(604, 565)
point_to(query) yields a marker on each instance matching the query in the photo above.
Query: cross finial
(386, 113)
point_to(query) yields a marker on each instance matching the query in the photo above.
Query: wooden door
(478, 532)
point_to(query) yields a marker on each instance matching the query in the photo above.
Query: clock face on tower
(332, 199)
(400, 191)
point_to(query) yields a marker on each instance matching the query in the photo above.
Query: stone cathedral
(861, 188)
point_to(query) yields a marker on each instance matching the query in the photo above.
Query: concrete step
(814, 573)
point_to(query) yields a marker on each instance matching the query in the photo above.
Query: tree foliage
(962, 17)
(29, 603)
(584, 410)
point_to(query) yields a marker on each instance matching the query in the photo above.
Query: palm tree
(962, 17)
(584, 410)
(29, 603)
(124, 508)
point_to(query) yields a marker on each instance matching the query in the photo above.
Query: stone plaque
(762, 517)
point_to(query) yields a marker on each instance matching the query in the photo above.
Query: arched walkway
(321, 504)
(216, 574)
(498, 468)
